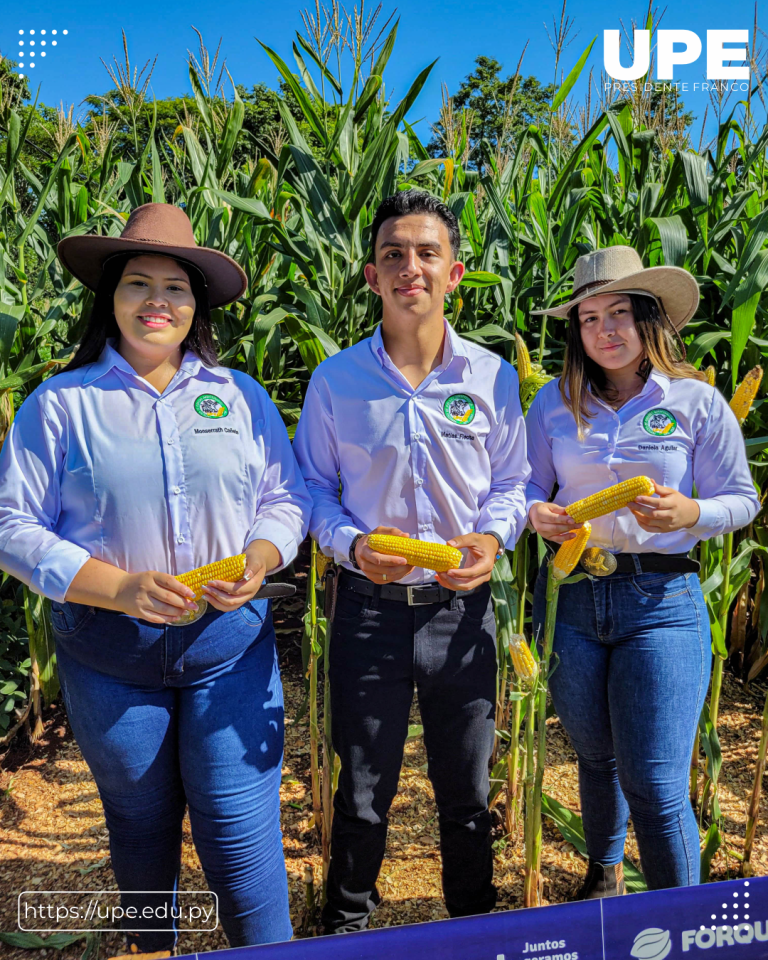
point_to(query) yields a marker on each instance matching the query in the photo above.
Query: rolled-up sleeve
(283, 505)
(503, 510)
(725, 491)
(30, 472)
(316, 448)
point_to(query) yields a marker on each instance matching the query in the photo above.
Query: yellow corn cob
(524, 368)
(570, 552)
(420, 553)
(531, 386)
(231, 570)
(742, 400)
(709, 373)
(321, 564)
(522, 658)
(610, 499)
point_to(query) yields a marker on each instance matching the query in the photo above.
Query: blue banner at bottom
(729, 918)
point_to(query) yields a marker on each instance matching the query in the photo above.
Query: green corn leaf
(318, 63)
(10, 317)
(712, 843)
(480, 279)
(572, 77)
(299, 93)
(571, 827)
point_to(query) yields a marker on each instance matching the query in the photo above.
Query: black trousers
(381, 649)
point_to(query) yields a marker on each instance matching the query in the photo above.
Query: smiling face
(608, 332)
(414, 267)
(154, 307)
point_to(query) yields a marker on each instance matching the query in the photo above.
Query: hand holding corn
(229, 583)
(670, 510)
(380, 566)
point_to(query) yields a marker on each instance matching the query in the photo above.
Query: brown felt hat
(620, 270)
(156, 228)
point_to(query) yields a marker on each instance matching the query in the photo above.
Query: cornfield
(295, 209)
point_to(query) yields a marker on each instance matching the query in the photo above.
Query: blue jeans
(631, 674)
(168, 716)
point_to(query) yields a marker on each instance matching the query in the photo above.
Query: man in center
(424, 434)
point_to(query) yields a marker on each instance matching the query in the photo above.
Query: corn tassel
(709, 373)
(522, 658)
(524, 367)
(742, 400)
(231, 570)
(610, 499)
(418, 553)
(570, 552)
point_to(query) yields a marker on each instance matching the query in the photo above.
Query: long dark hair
(662, 350)
(102, 323)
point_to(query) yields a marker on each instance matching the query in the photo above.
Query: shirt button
(417, 436)
(177, 489)
(418, 481)
(171, 440)
(179, 539)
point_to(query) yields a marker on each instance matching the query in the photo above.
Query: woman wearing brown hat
(632, 639)
(142, 459)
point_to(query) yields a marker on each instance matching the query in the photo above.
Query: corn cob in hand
(230, 570)
(570, 552)
(418, 553)
(610, 499)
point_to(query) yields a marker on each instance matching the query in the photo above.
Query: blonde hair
(663, 350)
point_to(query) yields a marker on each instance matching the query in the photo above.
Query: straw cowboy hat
(620, 269)
(156, 228)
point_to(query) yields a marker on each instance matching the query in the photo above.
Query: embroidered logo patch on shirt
(659, 423)
(460, 408)
(209, 406)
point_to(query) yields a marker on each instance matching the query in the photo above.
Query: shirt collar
(191, 366)
(661, 379)
(453, 346)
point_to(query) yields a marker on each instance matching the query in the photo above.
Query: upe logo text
(667, 57)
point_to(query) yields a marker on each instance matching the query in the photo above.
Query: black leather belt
(656, 563)
(625, 562)
(414, 596)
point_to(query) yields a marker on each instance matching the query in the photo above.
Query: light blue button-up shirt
(441, 460)
(99, 464)
(677, 432)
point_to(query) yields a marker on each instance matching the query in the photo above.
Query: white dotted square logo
(34, 45)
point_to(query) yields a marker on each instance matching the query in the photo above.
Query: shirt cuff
(503, 529)
(280, 538)
(710, 522)
(57, 569)
(342, 541)
(528, 506)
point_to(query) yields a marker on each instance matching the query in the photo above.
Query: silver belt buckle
(598, 562)
(416, 603)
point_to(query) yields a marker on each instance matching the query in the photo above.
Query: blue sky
(454, 31)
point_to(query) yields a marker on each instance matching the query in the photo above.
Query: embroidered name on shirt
(218, 430)
(657, 446)
(456, 436)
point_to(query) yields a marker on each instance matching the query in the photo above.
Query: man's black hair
(416, 201)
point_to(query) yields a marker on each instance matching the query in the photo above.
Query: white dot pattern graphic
(30, 53)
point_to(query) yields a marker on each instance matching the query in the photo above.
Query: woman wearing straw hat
(634, 644)
(142, 459)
